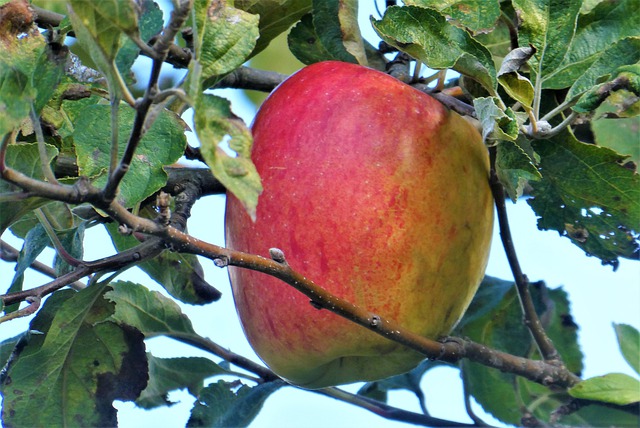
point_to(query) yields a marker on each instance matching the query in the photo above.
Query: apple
(379, 194)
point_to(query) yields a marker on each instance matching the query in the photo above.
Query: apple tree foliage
(553, 85)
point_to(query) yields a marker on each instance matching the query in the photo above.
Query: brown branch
(531, 319)
(144, 251)
(161, 49)
(251, 78)
(451, 350)
(266, 375)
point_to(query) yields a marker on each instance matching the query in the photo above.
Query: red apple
(377, 193)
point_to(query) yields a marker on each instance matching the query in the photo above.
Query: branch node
(221, 261)
(277, 255)
(375, 321)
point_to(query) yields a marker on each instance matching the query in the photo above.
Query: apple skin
(377, 193)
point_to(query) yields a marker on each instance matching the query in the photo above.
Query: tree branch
(266, 375)
(251, 78)
(451, 350)
(10, 254)
(531, 319)
(140, 125)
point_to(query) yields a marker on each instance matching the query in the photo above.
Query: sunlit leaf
(626, 51)
(597, 30)
(496, 123)
(226, 147)
(148, 311)
(476, 15)
(629, 342)
(548, 26)
(226, 38)
(98, 28)
(616, 388)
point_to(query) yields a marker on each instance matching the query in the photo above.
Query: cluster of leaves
(529, 68)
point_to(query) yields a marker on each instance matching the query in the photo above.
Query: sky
(598, 295)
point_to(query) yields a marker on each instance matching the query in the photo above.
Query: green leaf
(70, 374)
(497, 124)
(162, 144)
(216, 127)
(409, 381)
(476, 15)
(233, 404)
(34, 243)
(514, 168)
(47, 74)
(618, 133)
(305, 44)
(616, 388)
(518, 87)
(629, 342)
(226, 38)
(98, 27)
(489, 296)
(548, 26)
(605, 95)
(29, 71)
(179, 273)
(498, 41)
(25, 158)
(587, 195)
(148, 311)
(600, 28)
(626, 51)
(150, 23)
(336, 24)
(72, 241)
(16, 96)
(276, 17)
(427, 36)
(170, 374)
(12, 346)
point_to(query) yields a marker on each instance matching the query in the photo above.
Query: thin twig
(161, 48)
(144, 251)
(389, 412)
(45, 165)
(53, 237)
(10, 254)
(266, 375)
(531, 319)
